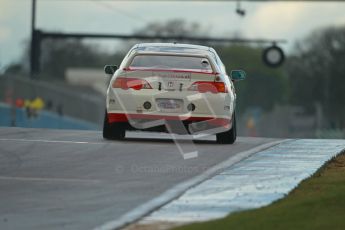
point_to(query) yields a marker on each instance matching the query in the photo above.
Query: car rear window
(171, 62)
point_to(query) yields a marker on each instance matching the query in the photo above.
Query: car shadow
(165, 140)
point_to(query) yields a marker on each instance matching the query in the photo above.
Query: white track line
(179, 189)
(41, 179)
(52, 141)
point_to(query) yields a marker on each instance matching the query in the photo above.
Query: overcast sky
(272, 20)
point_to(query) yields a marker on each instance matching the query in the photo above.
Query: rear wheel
(228, 137)
(113, 131)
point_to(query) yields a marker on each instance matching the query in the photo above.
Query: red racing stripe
(122, 117)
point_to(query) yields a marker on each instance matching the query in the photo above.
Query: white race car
(171, 87)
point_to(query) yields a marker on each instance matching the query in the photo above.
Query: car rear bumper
(219, 105)
(134, 118)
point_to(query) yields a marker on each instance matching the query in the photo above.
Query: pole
(33, 40)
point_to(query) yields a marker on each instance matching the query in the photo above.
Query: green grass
(317, 203)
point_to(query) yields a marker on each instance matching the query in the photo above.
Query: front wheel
(113, 131)
(228, 137)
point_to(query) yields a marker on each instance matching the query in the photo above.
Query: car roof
(175, 44)
(172, 47)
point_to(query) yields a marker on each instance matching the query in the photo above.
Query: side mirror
(238, 75)
(110, 69)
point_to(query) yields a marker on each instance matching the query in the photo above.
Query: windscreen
(171, 62)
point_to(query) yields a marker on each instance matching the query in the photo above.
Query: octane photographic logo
(186, 147)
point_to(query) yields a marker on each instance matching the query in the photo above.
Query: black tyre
(228, 137)
(113, 131)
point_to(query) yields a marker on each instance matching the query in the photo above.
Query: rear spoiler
(137, 53)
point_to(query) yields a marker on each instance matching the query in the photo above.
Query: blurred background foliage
(317, 73)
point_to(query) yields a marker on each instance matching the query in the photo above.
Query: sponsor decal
(175, 76)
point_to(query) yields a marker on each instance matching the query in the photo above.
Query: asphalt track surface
(67, 179)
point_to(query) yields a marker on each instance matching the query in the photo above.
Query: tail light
(131, 83)
(207, 86)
